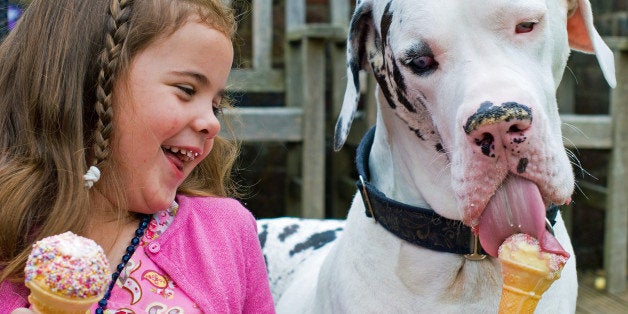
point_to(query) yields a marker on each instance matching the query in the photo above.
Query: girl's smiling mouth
(179, 156)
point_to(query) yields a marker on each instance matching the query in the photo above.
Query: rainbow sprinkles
(69, 265)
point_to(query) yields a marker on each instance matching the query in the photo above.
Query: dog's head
(476, 80)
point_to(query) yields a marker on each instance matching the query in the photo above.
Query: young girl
(108, 129)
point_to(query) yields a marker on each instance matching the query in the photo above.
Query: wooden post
(340, 18)
(339, 162)
(263, 39)
(295, 17)
(314, 39)
(566, 101)
(313, 165)
(616, 229)
(339, 12)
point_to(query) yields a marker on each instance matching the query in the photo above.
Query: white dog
(467, 141)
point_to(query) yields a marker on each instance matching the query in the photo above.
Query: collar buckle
(367, 201)
(475, 249)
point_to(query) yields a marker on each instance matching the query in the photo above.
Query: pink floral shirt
(143, 287)
(212, 251)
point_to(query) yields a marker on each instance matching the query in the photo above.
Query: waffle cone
(45, 302)
(523, 287)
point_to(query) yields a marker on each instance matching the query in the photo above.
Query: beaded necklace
(139, 233)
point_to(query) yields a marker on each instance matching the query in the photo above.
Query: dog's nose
(504, 124)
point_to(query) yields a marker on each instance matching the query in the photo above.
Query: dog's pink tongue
(516, 207)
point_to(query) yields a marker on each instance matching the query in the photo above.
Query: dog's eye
(524, 27)
(423, 64)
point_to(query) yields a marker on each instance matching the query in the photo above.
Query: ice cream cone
(66, 273)
(46, 302)
(527, 272)
(523, 287)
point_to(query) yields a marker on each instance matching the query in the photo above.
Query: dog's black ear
(583, 37)
(361, 40)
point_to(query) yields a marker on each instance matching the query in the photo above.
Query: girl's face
(164, 111)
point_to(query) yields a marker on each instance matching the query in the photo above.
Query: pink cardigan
(212, 252)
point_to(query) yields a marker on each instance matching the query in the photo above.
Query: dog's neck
(409, 169)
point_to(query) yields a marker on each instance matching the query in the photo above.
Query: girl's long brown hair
(57, 69)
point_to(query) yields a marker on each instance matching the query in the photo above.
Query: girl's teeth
(188, 153)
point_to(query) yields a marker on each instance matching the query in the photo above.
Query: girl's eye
(187, 89)
(524, 27)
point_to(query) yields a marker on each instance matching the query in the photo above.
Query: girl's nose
(206, 122)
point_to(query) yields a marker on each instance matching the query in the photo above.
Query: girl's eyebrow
(200, 78)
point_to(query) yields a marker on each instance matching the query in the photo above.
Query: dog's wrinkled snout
(505, 125)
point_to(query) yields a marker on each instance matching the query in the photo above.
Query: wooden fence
(616, 230)
(312, 49)
(303, 81)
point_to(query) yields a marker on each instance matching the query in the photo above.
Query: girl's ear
(584, 37)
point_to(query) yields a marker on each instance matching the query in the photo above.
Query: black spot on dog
(339, 134)
(523, 164)
(439, 148)
(392, 68)
(263, 235)
(355, 67)
(266, 262)
(288, 231)
(519, 140)
(380, 69)
(401, 87)
(485, 143)
(381, 81)
(417, 132)
(315, 241)
(355, 20)
(358, 36)
(387, 18)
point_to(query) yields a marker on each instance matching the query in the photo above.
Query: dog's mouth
(516, 207)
